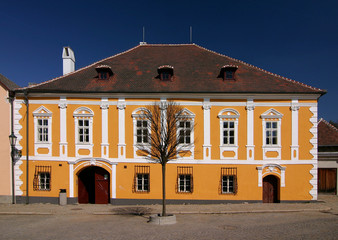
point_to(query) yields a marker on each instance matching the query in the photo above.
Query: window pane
(232, 140)
(274, 124)
(187, 124)
(181, 124)
(232, 124)
(268, 124)
(145, 124)
(225, 125)
(138, 124)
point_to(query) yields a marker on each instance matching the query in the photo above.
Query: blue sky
(295, 39)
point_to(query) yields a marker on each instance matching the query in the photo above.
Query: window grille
(42, 178)
(228, 182)
(142, 179)
(184, 180)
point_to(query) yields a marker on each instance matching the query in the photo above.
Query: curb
(25, 213)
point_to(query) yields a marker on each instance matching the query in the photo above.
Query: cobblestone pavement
(222, 221)
(325, 203)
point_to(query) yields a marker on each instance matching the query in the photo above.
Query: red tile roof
(327, 134)
(195, 71)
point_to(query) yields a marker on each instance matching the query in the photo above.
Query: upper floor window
(83, 118)
(42, 131)
(184, 132)
(104, 72)
(271, 133)
(271, 123)
(83, 130)
(228, 72)
(141, 131)
(165, 73)
(228, 121)
(42, 122)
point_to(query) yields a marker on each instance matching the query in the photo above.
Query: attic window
(104, 72)
(165, 73)
(228, 72)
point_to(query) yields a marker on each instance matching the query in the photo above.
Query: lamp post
(12, 141)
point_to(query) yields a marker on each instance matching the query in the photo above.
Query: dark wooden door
(101, 186)
(270, 189)
(327, 180)
(93, 186)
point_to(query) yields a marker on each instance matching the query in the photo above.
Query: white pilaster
(250, 147)
(206, 114)
(104, 142)
(113, 181)
(121, 105)
(63, 127)
(294, 144)
(71, 180)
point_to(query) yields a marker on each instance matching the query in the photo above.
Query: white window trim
(228, 147)
(79, 113)
(272, 115)
(187, 116)
(138, 116)
(37, 144)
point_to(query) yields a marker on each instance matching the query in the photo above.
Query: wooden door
(101, 186)
(327, 180)
(270, 189)
(93, 186)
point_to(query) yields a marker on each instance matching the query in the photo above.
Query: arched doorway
(270, 189)
(94, 185)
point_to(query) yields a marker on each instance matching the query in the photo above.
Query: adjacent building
(6, 86)
(253, 134)
(327, 157)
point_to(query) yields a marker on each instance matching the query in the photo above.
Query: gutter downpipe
(11, 100)
(27, 146)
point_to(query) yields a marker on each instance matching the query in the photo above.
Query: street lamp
(12, 141)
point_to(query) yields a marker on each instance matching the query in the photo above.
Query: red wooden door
(327, 180)
(82, 192)
(101, 186)
(93, 186)
(270, 189)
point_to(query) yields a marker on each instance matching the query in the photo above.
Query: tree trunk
(164, 212)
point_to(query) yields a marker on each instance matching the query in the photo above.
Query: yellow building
(254, 136)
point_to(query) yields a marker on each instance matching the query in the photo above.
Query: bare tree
(161, 142)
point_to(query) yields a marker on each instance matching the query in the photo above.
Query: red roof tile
(327, 134)
(195, 71)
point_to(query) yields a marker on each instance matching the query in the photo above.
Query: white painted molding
(121, 147)
(63, 145)
(207, 124)
(250, 147)
(271, 168)
(42, 113)
(294, 128)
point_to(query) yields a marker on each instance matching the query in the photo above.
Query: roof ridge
(86, 67)
(328, 124)
(262, 70)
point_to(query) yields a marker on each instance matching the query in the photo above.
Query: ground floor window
(184, 180)
(142, 179)
(229, 180)
(42, 178)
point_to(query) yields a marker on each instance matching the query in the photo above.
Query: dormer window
(228, 72)
(165, 73)
(104, 72)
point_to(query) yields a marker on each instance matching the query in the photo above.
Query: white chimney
(68, 60)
